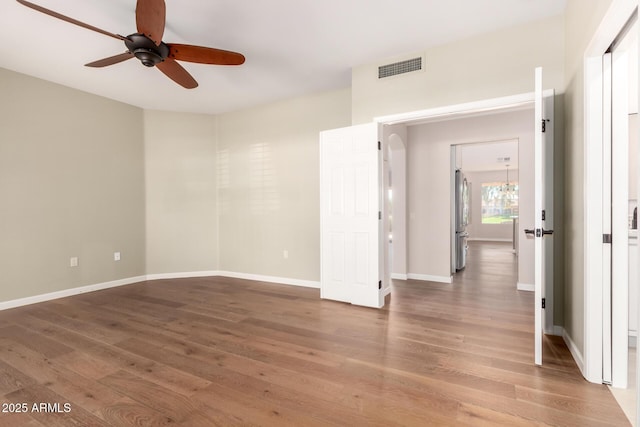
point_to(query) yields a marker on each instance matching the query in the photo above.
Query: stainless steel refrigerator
(462, 219)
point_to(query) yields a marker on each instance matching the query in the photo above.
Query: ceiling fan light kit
(148, 47)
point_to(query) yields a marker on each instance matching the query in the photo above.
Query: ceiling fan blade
(71, 20)
(177, 73)
(110, 60)
(150, 19)
(204, 55)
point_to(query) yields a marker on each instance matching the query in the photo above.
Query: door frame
(612, 24)
(486, 106)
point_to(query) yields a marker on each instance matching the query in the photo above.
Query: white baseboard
(399, 276)
(182, 275)
(526, 287)
(557, 331)
(573, 348)
(271, 279)
(430, 278)
(5, 305)
(386, 291)
(482, 239)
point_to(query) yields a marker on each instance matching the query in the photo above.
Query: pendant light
(508, 188)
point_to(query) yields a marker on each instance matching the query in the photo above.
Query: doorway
(432, 167)
(620, 283)
(491, 172)
(610, 91)
(430, 186)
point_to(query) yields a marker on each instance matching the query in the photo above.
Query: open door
(542, 126)
(351, 209)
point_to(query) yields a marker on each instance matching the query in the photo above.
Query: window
(499, 202)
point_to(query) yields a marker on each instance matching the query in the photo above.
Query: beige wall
(181, 202)
(429, 194)
(84, 176)
(581, 23)
(268, 185)
(71, 184)
(484, 67)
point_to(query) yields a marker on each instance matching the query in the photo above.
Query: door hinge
(544, 125)
(544, 303)
(607, 238)
(544, 214)
(538, 232)
(379, 145)
(379, 284)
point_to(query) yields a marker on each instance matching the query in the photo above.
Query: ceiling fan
(148, 47)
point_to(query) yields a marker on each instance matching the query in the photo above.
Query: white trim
(612, 23)
(430, 278)
(182, 275)
(399, 276)
(529, 287)
(557, 331)
(386, 292)
(619, 210)
(5, 305)
(475, 107)
(271, 279)
(539, 140)
(483, 239)
(593, 260)
(573, 348)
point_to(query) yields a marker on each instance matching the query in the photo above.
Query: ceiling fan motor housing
(146, 50)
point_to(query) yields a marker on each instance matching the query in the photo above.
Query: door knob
(537, 232)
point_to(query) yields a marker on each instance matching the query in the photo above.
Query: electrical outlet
(116, 256)
(285, 254)
(73, 261)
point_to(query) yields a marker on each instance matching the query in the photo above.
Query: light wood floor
(217, 351)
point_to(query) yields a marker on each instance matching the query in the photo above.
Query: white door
(350, 216)
(542, 169)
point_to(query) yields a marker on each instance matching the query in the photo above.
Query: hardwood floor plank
(18, 420)
(566, 403)
(242, 409)
(34, 341)
(133, 414)
(12, 379)
(173, 405)
(482, 417)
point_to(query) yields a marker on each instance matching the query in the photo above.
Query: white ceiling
(293, 47)
(490, 156)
